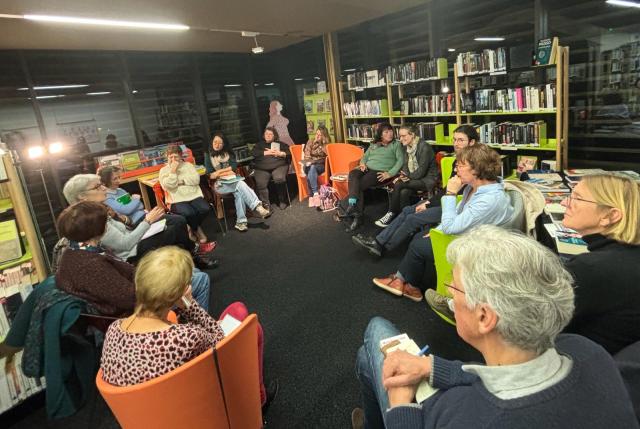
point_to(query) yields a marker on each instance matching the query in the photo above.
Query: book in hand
(403, 342)
(229, 179)
(275, 146)
(155, 228)
(229, 324)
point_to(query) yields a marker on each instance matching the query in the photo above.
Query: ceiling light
(232, 85)
(316, 77)
(623, 3)
(489, 39)
(256, 84)
(135, 91)
(35, 152)
(298, 78)
(99, 93)
(39, 88)
(55, 147)
(106, 22)
(451, 50)
(44, 97)
(349, 70)
(269, 84)
(257, 50)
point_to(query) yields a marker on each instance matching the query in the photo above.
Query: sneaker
(357, 418)
(204, 262)
(368, 243)
(391, 284)
(202, 248)
(412, 292)
(241, 226)
(385, 220)
(314, 201)
(262, 212)
(282, 206)
(439, 303)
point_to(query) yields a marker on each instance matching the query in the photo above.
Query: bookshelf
(18, 276)
(535, 113)
(319, 111)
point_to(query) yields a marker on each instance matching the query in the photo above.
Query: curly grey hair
(520, 279)
(77, 186)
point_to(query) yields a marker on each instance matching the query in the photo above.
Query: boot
(282, 195)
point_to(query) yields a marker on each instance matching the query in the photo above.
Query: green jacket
(387, 158)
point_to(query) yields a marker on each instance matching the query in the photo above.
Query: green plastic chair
(446, 168)
(444, 271)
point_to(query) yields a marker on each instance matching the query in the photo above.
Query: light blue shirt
(134, 210)
(490, 205)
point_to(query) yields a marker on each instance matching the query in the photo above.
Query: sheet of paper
(228, 324)
(155, 228)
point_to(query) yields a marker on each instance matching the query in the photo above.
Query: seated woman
(605, 209)
(418, 174)
(120, 200)
(380, 162)
(413, 218)
(163, 282)
(129, 245)
(89, 272)
(484, 201)
(315, 154)
(513, 298)
(271, 160)
(181, 181)
(221, 166)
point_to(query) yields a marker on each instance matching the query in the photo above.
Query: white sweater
(183, 185)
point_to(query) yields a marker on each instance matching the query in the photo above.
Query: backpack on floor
(328, 198)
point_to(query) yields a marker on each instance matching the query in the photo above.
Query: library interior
(407, 214)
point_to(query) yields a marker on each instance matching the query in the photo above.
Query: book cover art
(327, 106)
(310, 127)
(308, 106)
(319, 106)
(546, 51)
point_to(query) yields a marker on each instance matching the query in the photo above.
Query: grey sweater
(591, 396)
(122, 242)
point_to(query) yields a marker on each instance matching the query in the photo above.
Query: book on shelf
(527, 162)
(532, 98)
(321, 86)
(10, 244)
(319, 106)
(428, 104)
(362, 131)
(546, 51)
(487, 61)
(369, 79)
(308, 106)
(567, 241)
(574, 175)
(416, 71)
(327, 105)
(513, 133)
(366, 108)
(310, 127)
(322, 123)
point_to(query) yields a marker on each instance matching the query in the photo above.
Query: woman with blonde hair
(315, 154)
(605, 210)
(162, 282)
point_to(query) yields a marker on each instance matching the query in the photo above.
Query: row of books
(531, 98)
(368, 79)
(513, 133)
(366, 108)
(312, 125)
(136, 159)
(428, 104)
(322, 106)
(573, 176)
(427, 130)
(415, 71)
(362, 131)
(487, 61)
(16, 284)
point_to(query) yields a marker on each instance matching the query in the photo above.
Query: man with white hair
(512, 298)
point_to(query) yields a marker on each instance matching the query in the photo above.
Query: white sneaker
(242, 226)
(261, 211)
(385, 220)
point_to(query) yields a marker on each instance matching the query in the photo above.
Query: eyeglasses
(455, 140)
(96, 187)
(449, 285)
(571, 198)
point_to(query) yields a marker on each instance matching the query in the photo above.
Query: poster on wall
(72, 131)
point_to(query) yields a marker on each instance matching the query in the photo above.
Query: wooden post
(456, 87)
(565, 111)
(332, 60)
(559, 108)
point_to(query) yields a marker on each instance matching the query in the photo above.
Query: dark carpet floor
(311, 288)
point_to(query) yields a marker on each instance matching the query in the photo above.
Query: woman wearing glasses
(605, 210)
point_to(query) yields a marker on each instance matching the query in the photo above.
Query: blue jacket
(134, 210)
(490, 204)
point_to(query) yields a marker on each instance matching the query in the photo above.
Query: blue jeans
(312, 172)
(375, 400)
(406, 224)
(243, 197)
(200, 288)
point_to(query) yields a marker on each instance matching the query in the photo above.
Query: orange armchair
(296, 157)
(218, 389)
(343, 158)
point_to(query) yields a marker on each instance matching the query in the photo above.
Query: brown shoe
(412, 292)
(357, 418)
(390, 284)
(439, 303)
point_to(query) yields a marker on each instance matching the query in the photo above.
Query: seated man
(512, 298)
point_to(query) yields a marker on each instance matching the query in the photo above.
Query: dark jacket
(262, 162)
(45, 327)
(209, 165)
(427, 170)
(607, 292)
(103, 281)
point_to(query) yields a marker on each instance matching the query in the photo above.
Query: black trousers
(403, 192)
(175, 234)
(262, 178)
(360, 181)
